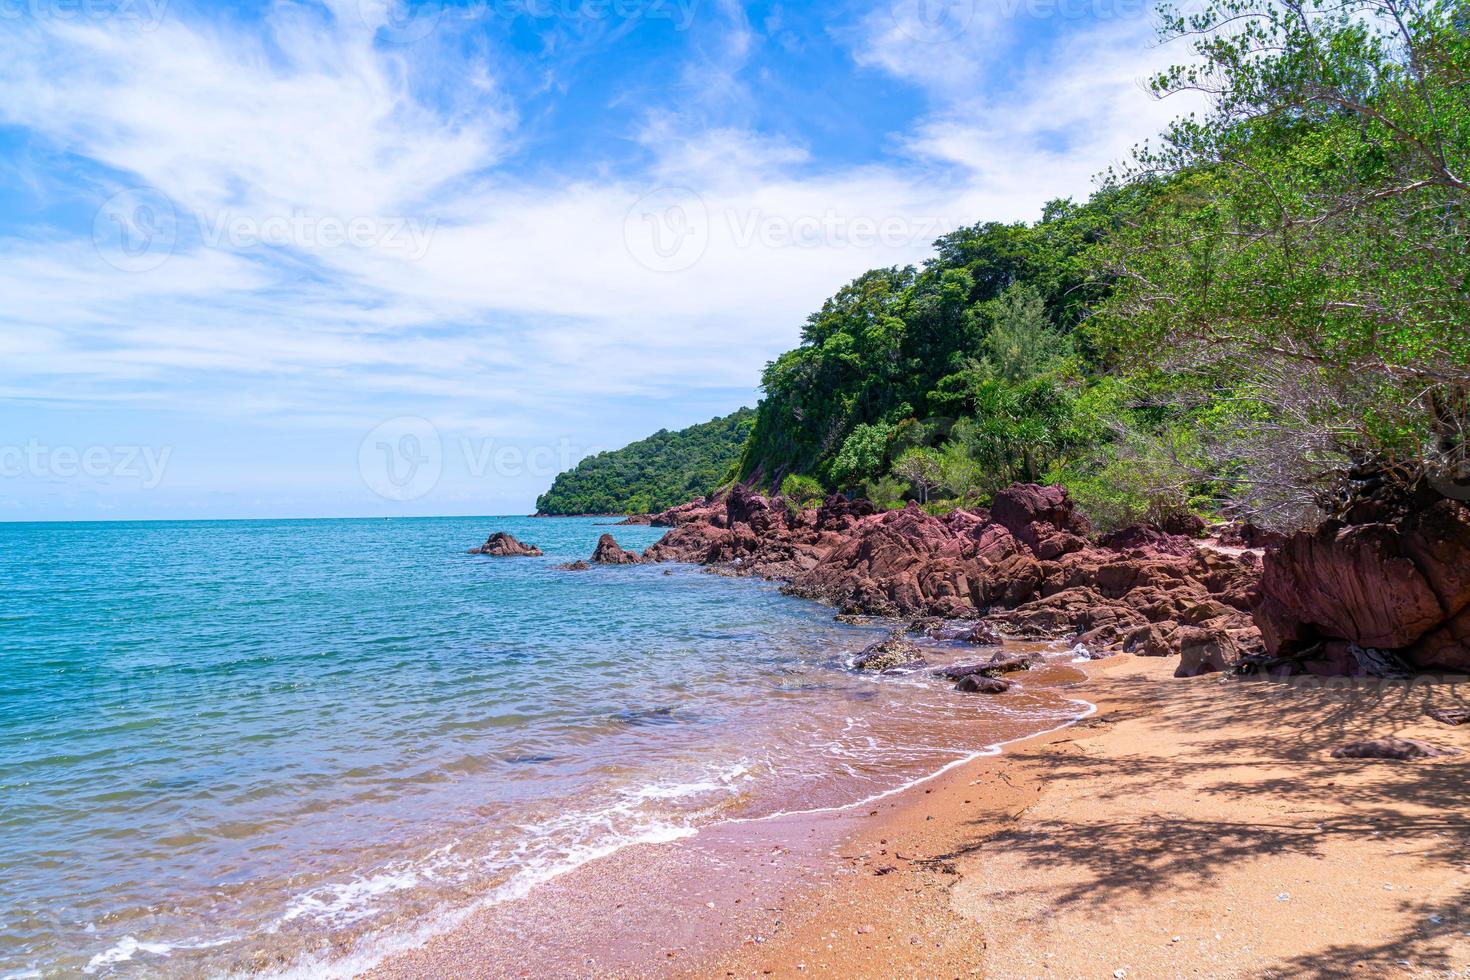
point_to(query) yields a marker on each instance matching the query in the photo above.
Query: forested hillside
(1267, 312)
(652, 474)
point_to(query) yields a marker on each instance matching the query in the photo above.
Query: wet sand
(1188, 828)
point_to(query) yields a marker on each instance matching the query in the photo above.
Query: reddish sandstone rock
(609, 552)
(1205, 651)
(1402, 587)
(1147, 538)
(502, 545)
(1025, 565)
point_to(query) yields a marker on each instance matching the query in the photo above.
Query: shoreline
(478, 940)
(1154, 835)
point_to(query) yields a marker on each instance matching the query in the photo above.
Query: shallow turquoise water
(246, 745)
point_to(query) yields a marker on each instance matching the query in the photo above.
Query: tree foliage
(1304, 266)
(653, 474)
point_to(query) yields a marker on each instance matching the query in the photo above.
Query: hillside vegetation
(1267, 312)
(653, 474)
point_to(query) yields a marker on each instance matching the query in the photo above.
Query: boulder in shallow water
(980, 684)
(502, 545)
(575, 566)
(895, 651)
(609, 552)
(1001, 663)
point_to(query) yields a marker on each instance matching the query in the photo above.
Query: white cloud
(529, 296)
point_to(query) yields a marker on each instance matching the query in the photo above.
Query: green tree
(864, 454)
(802, 491)
(1305, 255)
(923, 469)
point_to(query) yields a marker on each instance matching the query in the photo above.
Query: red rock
(1402, 587)
(1020, 507)
(1025, 565)
(609, 552)
(1205, 651)
(1001, 663)
(502, 545)
(1147, 538)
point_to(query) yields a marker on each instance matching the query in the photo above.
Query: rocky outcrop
(1023, 569)
(609, 552)
(1397, 590)
(502, 545)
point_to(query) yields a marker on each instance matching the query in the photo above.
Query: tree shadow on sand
(1316, 800)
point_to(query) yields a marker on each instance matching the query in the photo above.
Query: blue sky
(357, 258)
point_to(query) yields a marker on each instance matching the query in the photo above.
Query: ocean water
(276, 746)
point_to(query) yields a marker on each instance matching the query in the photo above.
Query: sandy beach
(1187, 828)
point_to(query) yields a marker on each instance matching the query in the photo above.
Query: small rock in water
(979, 684)
(896, 651)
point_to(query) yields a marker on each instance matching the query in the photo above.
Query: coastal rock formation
(502, 545)
(609, 552)
(575, 566)
(1389, 591)
(1025, 569)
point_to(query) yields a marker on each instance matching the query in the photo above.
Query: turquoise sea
(259, 746)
